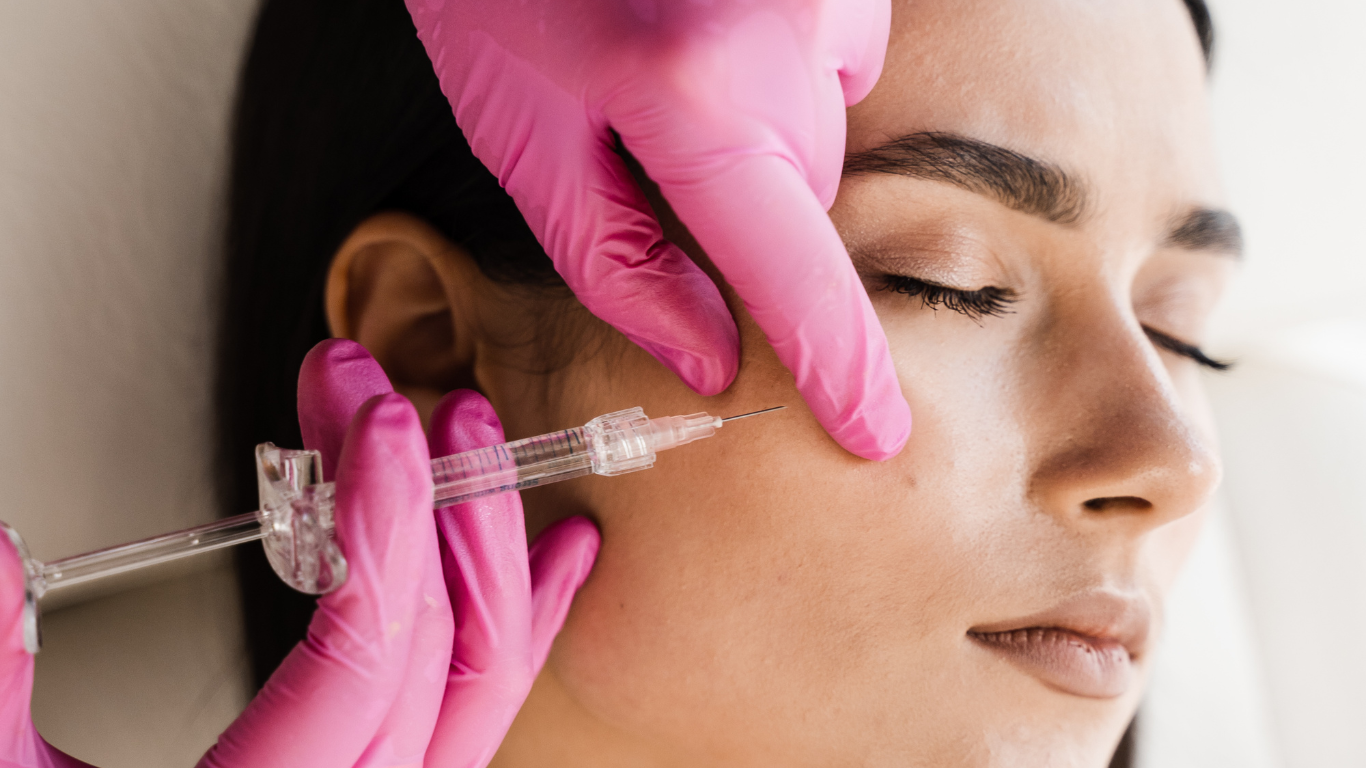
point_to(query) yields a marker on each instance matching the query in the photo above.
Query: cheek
(962, 383)
(757, 581)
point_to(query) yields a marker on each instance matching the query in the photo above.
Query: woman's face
(990, 596)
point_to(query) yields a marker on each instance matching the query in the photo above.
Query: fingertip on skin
(881, 435)
(701, 344)
(665, 304)
(886, 445)
(575, 536)
(578, 528)
(706, 375)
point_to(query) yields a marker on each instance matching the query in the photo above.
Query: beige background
(113, 117)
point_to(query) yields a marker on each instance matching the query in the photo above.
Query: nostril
(1118, 503)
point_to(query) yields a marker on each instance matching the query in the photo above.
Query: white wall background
(1261, 666)
(113, 119)
(1290, 114)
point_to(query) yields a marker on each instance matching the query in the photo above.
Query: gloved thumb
(20, 744)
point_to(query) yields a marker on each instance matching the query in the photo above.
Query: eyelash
(1186, 350)
(995, 302)
(983, 302)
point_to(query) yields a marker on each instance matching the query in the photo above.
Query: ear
(404, 292)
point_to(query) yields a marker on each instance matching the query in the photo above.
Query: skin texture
(765, 598)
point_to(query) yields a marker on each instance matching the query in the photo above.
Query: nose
(1118, 445)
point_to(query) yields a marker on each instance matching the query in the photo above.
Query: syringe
(295, 518)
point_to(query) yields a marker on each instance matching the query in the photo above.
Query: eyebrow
(1025, 184)
(1017, 181)
(1206, 229)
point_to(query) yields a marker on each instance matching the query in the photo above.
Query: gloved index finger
(337, 378)
(487, 576)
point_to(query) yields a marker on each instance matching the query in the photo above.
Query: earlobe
(405, 292)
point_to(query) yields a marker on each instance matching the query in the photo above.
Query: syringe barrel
(611, 444)
(511, 466)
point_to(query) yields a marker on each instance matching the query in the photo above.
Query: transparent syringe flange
(295, 523)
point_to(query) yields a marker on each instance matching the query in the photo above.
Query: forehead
(1110, 90)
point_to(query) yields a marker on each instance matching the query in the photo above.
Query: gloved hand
(365, 687)
(376, 675)
(736, 110)
(509, 604)
(450, 698)
(362, 689)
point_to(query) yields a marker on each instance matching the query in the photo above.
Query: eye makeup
(1185, 349)
(977, 304)
(995, 302)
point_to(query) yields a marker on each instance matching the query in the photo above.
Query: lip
(1085, 646)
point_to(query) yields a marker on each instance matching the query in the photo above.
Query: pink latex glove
(446, 700)
(365, 687)
(383, 666)
(736, 109)
(509, 604)
(20, 744)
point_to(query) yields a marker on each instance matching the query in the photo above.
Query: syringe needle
(753, 413)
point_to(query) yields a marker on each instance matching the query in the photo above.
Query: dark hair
(339, 116)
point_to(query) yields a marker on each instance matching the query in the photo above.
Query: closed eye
(1185, 349)
(995, 302)
(983, 302)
